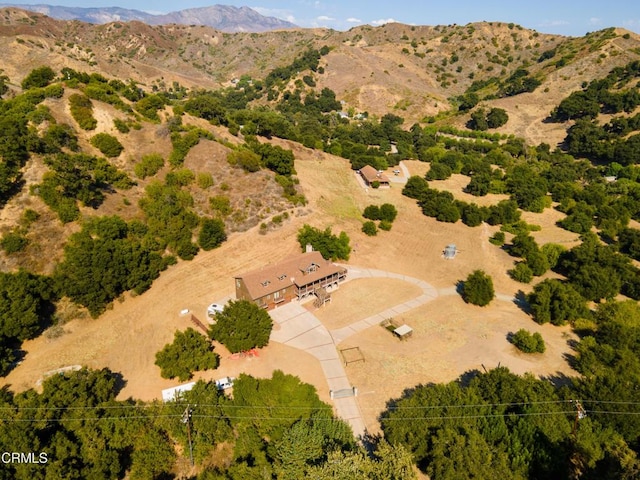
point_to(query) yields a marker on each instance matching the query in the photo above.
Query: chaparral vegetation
(139, 180)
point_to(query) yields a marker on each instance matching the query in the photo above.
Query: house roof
(370, 174)
(301, 270)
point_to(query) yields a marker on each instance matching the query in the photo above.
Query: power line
(179, 405)
(321, 419)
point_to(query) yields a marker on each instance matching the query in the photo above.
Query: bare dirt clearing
(449, 338)
(364, 297)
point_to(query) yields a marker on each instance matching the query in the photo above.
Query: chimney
(309, 248)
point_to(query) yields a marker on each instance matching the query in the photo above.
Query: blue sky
(566, 17)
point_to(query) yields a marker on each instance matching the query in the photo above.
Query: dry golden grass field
(449, 337)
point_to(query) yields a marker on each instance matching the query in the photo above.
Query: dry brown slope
(127, 337)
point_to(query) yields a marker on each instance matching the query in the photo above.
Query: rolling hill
(413, 71)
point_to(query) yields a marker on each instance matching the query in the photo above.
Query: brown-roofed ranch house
(294, 278)
(370, 175)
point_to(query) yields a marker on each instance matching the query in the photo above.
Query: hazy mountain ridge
(221, 17)
(413, 71)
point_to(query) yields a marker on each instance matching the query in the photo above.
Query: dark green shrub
(13, 242)
(329, 245)
(537, 262)
(478, 289)
(241, 326)
(107, 144)
(38, 77)
(416, 187)
(439, 171)
(211, 234)
(497, 117)
(384, 225)
(388, 212)
(556, 302)
(528, 343)
(121, 125)
(552, 252)
(244, 159)
(81, 109)
(372, 212)
(497, 238)
(149, 165)
(521, 273)
(149, 106)
(472, 215)
(189, 352)
(221, 204)
(369, 228)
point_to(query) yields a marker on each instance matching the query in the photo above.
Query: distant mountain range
(221, 17)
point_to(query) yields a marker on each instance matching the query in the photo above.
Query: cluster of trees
(17, 140)
(241, 326)
(78, 177)
(442, 206)
(483, 120)
(599, 271)
(597, 96)
(26, 308)
(385, 213)
(610, 142)
(537, 260)
(519, 82)
(105, 259)
(98, 87)
(607, 358)
(500, 425)
(334, 247)
(170, 219)
(309, 60)
(83, 431)
(272, 428)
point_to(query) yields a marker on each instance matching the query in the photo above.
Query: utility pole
(580, 414)
(186, 418)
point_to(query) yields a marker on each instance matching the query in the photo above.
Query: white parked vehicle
(224, 383)
(214, 309)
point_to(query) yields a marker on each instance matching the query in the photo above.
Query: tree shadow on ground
(465, 379)
(558, 379)
(120, 382)
(520, 299)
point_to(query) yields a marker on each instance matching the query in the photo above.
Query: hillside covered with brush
(127, 149)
